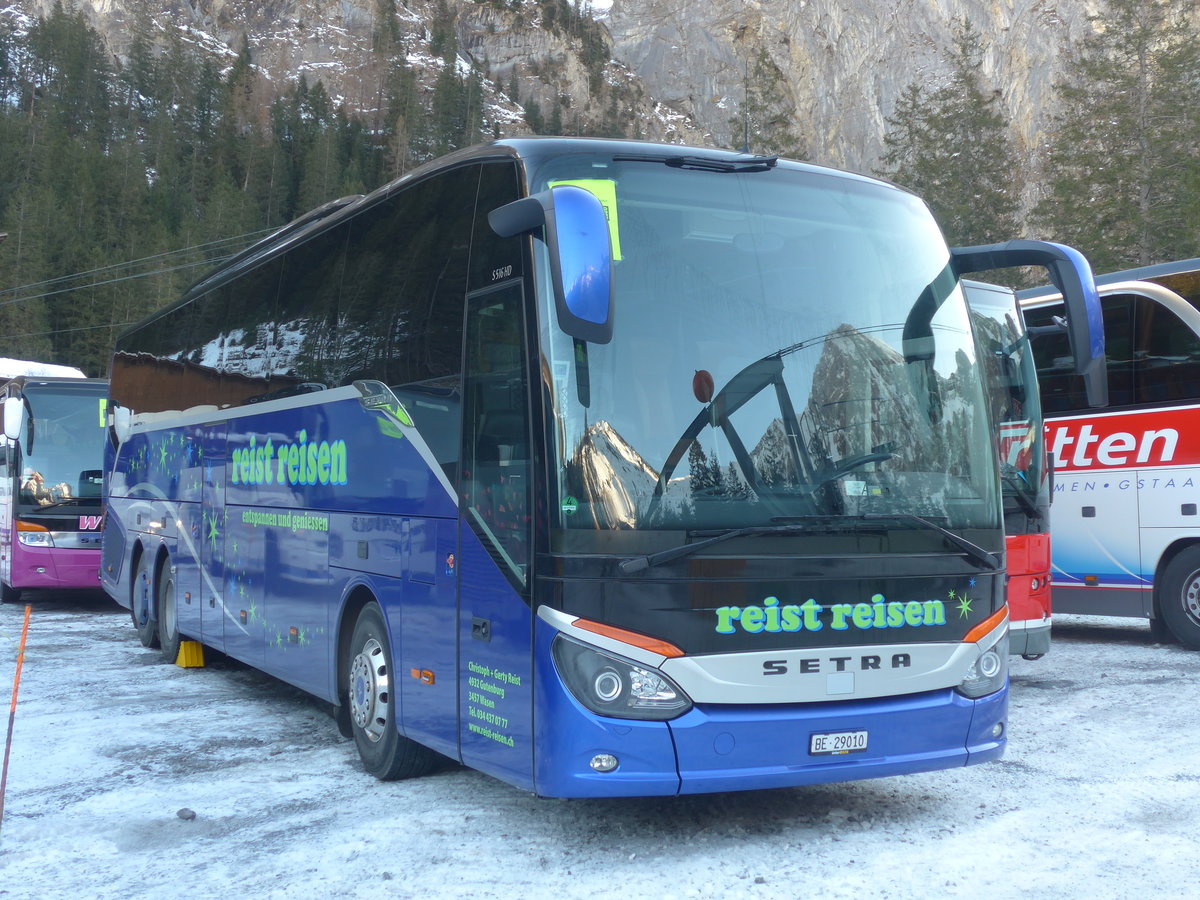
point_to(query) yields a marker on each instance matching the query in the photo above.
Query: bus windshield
(789, 346)
(62, 452)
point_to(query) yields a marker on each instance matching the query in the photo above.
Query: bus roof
(13, 368)
(531, 149)
(21, 382)
(1159, 274)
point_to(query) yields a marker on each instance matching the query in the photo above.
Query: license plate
(835, 743)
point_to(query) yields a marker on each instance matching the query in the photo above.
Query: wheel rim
(141, 597)
(168, 611)
(1191, 597)
(369, 690)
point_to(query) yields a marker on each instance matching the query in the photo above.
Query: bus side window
(242, 343)
(157, 376)
(1167, 355)
(399, 315)
(300, 337)
(496, 464)
(1062, 390)
(1118, 347)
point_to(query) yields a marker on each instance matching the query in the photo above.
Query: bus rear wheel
(371, 702)
(168, 615)
(1179, 601)
(143, 602)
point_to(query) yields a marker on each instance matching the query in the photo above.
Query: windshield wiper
(977, 553)
(638, 563)
(67, 502)
(737, 164)
(804, 525)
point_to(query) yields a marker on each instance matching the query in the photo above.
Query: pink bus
(51, 481)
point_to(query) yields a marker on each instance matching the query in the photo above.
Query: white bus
(1126, 527)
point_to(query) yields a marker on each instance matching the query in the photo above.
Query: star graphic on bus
(964, 606)
(213, 531)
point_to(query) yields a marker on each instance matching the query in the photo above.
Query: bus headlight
(31, 535)
(989, 672)
(611, 686)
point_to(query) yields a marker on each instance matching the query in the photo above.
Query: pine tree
(534, 118)
(71, 78)
(952, 146)
(762, 125)
(1121, 167)
(700, 478)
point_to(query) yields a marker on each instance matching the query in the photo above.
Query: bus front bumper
(727, 748)
(54, 567)
(1029, 638)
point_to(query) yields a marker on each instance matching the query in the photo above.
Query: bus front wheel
(1179, 602)
(143, 602)
(9, 594)
(371, 700)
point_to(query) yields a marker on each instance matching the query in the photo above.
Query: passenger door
(495, 628)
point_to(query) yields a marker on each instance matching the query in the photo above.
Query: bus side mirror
(122, 422)
(14, 412)
(577, 235)
(1072, 275)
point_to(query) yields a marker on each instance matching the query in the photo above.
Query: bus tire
(1159, 632)
(168, 615)
(371, 700)
(9, 594)
(142, 602)
(1180, 598)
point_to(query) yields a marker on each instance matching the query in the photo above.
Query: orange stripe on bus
(654, 645)
(982, 630)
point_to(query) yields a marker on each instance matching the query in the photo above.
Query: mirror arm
(1072, 275)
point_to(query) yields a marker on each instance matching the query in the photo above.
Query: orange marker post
(12, 709)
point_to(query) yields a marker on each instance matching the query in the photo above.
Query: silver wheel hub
(1191, 597)
(168, 607)
(370, 688)
(143, 593)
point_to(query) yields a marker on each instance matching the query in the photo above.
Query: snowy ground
(1098, 796)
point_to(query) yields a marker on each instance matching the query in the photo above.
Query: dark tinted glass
(1167, 360)
(378, 297)
(303, 337)
(495, 259)
(1062, 390)
(149, 366)
(399, 319)
(496, 469)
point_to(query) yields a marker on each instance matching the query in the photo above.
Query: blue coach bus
(607, 468)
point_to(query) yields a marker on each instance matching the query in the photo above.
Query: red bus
(1010, 375)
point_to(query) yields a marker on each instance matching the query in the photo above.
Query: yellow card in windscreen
(604, 190)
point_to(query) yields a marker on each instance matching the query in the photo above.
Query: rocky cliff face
(678, 67)
(845, 61)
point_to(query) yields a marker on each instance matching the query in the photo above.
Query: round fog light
(997, 729)
(603, 762)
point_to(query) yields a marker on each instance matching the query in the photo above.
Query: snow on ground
(1097, 797)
